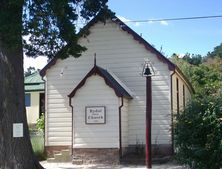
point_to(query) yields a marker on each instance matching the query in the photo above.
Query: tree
(183, 64)
(217, 52)
(30, 70)
(215, 63)
(198, 135)
(206, 78)
(193, 59)
(50, 26)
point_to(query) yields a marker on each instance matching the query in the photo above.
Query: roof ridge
(33, 78)
(124, 27)
(32, 74)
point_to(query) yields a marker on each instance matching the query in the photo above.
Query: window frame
(27, 99)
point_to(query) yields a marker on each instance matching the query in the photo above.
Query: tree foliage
(50, 29)
(41, 122)
(198, 133)
(193, 59)
(217, 52)
(206, 77)
(198, 129)
(49, 26)
(215, 63)
(30, 70)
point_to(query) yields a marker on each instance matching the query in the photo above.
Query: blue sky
(193, 36)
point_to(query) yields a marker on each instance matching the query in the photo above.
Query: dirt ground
(106, 166)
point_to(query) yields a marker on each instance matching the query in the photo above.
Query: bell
(147, 71)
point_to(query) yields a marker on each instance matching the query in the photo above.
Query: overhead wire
(176, 19)
(82, 23)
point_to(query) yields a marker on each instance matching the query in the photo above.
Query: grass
(38, 146)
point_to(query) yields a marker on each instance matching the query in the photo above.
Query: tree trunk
(15, 153)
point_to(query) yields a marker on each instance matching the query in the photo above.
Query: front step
(50, 160)
(66, 153)
(58, 157)
(95, 156)
(66, 156)
(61, 156)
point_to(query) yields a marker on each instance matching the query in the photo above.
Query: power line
(177, 19)
(166, 19)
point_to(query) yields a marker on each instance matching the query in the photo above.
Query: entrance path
(105, 166)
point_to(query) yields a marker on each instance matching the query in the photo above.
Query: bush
(198, 133)
(40, 125)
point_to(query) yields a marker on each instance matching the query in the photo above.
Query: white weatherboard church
(96, 107)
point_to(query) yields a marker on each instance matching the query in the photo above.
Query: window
(184, 102)
(177, 90)
(27, 99)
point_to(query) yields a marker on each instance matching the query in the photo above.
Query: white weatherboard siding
(32, 112)
(95, 92)
(123, 55)
(187, 93)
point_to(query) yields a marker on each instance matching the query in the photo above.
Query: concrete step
(61, 156)
(50, 160)
(58, 157)
(56, 152)
(66, 158)
(66, 153)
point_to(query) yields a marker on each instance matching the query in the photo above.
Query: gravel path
(105, 166)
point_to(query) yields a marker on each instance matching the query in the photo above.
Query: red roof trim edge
(96, 71)
(149, 47)
(51, 63)
(124, 27)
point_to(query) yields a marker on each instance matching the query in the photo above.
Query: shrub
(41, 123)
(198, 133)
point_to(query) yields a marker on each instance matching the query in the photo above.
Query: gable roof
(126, 28)
(109, 80)
(34, 82)
(142, 41)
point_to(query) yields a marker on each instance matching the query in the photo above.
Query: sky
(187, 36)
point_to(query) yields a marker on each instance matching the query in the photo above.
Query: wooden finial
(94, 59)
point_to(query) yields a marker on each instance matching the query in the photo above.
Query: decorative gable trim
(109, 80)
(142, 41)
(124, 27)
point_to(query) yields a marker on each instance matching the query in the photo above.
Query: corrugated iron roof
(34, 82)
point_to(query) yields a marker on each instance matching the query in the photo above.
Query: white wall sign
(17, 129)
(95, 115)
